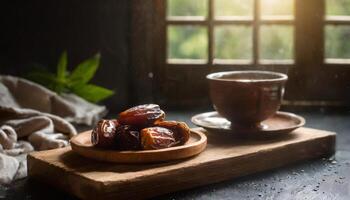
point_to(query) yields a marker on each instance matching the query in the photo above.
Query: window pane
(187, 42)
(233, 7)
(337, 41)
(187, 7)
(277, 7)
(233, 42)
(276, 42)
(337, 7)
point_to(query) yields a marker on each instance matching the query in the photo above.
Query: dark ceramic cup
(246, 98)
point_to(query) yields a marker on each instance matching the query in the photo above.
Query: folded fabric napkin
(35, 118)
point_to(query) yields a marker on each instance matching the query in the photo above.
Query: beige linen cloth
(35, 118)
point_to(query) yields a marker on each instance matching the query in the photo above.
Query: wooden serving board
(224, 158)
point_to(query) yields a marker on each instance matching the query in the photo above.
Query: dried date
(127, 138)
(157, 138)
(104, 133)
(180, 129)
(141, 116)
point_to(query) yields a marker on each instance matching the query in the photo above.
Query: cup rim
(216, 75)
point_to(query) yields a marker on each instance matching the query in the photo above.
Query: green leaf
(84, 72)
(61, 72)
(62, 66)
(76, 82)
(92, 93)
(45, 78)
(42, 77)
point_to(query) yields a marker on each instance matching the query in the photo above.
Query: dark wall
(37, 31)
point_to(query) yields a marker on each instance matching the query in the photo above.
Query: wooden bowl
(81, 144)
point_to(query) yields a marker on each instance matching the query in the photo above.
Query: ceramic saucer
(279, 124)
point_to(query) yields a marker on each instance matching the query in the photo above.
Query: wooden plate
(279, 124)
(82, 145)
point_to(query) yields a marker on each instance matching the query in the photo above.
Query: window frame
(256, 21)
(309, 76)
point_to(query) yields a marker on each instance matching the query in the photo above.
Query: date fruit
(157, 138)
(140, 127)
(180, 129)
(141, 116)
(127, 138)
(104, 133)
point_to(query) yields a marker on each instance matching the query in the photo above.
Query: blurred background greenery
(235, 41)
(337, 38)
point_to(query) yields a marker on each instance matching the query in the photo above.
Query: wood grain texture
(224, 158)
(82, 145)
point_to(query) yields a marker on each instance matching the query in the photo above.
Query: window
(309, 40)
(237, 32)
(337, 31)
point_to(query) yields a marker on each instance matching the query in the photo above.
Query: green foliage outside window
(275, 42)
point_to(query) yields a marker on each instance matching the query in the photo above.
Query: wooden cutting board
(224, 158)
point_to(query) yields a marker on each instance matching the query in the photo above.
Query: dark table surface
(326, 178)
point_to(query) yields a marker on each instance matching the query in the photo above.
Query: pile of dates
(140, 128)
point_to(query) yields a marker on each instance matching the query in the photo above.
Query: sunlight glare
(277, 7)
